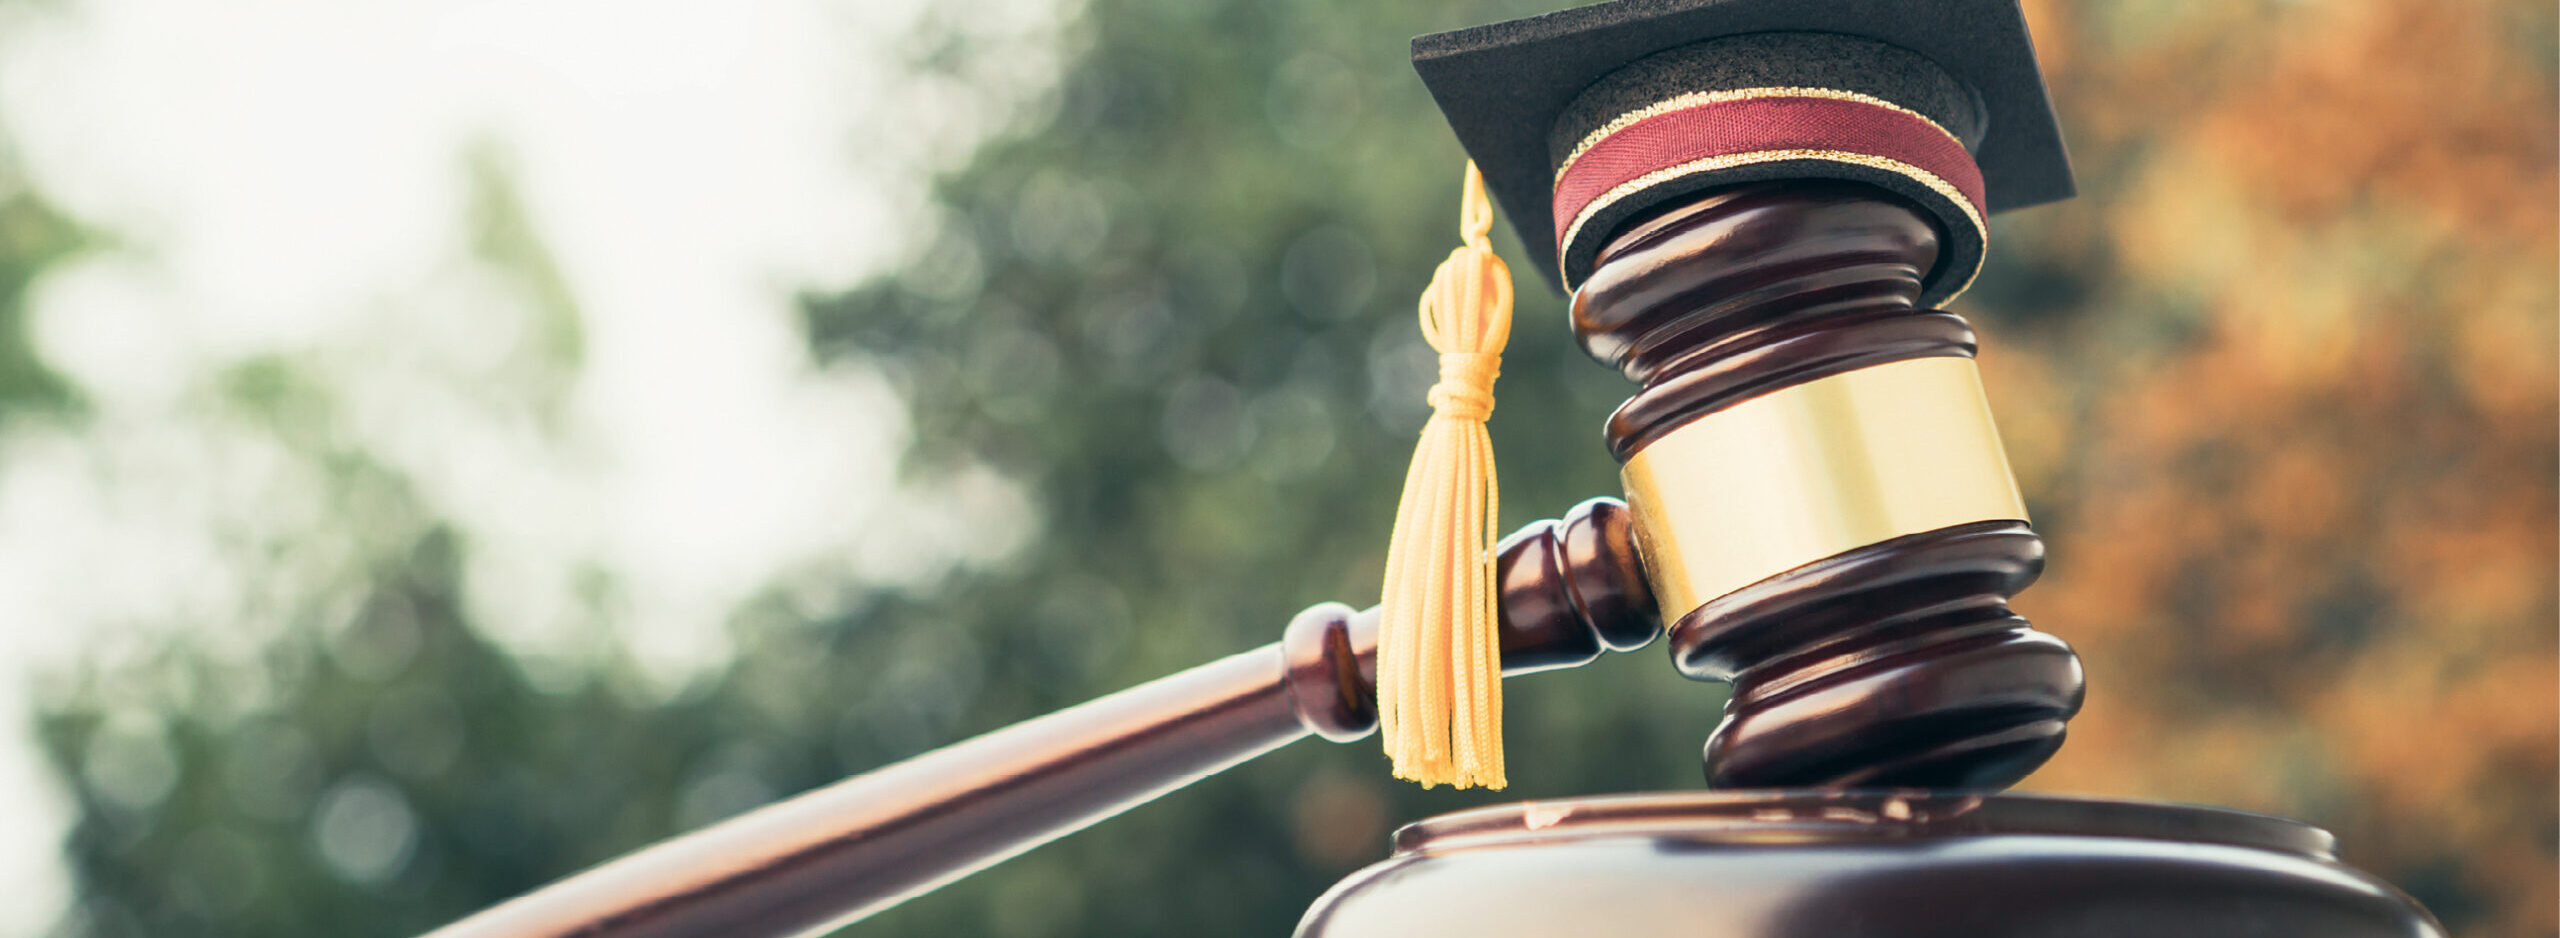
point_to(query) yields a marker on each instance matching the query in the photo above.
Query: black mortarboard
(1611, 109)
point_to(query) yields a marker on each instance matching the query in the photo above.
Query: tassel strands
(1439, 667)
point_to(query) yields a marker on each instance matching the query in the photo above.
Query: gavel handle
(830, 856)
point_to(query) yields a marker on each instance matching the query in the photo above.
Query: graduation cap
(1584, 119)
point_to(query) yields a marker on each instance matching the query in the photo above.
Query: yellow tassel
(1439, 670)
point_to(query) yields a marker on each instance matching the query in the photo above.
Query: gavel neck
(828, 857)
(1571, 589)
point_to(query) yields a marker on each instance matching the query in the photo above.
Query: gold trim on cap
(1687, 100)
(1806, 472)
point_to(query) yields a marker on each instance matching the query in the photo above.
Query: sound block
(1861, 864)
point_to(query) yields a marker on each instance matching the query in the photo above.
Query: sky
(294, 181)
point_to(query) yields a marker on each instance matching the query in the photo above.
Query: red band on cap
(1754, 125)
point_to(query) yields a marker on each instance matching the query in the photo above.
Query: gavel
(1896, 663)
(1893, 664)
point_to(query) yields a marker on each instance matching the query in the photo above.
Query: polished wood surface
(1755, 288)
(1861, 864)
(1892, 664)
(1571, 588)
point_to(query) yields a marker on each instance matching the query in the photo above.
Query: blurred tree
(2279, 386)
(2300, 436)
(32, 237)
(1176, 361)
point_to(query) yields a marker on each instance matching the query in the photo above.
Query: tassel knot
(1439, 657)
(1465, 391)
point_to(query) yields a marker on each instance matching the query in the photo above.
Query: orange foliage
(2307, 547)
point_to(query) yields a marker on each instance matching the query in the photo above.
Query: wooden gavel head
(1756, 206)
(1823, 512)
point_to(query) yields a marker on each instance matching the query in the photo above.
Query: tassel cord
(1439, 668)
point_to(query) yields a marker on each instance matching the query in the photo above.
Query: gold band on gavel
(1809, 471)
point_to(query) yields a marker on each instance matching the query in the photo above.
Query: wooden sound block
(1872, 864)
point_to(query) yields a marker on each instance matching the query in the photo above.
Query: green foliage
(1174, 302)
(33, 236)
